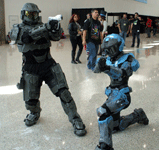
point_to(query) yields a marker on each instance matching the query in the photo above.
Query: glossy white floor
(53, 131)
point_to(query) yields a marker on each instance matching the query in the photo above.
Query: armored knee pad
(101, 111)
(66, 96)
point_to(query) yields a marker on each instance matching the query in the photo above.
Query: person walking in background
(148, 26)
(124, 26)
(75, 38)
(135, 30)
(154, 25)
(92, 35)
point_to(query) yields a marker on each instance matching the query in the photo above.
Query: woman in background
(75, 32)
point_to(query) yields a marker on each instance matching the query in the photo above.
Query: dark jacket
(73, 30)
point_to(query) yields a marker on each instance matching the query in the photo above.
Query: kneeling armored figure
(33, 40)
(119, 67)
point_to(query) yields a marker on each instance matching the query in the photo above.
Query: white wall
(64, 7)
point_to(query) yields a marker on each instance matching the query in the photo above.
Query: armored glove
(102, 64)
(54, 24)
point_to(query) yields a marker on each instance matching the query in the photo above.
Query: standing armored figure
(119, 67)
(33, 40)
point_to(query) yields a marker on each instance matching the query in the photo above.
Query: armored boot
(71, 110)
(105, 129)
(34, 115)
(138, 116)
(102, 147)
(142, 116)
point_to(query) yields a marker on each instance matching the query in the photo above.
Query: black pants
(75, 42)
(136, 34)
(149, 32)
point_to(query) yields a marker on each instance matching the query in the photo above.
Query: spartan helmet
(30, 13)
(113, 44)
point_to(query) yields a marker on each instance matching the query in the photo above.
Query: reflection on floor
(53, 131)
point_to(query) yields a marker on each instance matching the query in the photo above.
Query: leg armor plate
(105, 129)
(70, 109)
(137, 116)
(59, 87)
(116, 101)
(59, 81)
(32, 86)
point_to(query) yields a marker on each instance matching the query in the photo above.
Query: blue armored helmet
(113, 44)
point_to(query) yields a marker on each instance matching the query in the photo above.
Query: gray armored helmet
(30, 13)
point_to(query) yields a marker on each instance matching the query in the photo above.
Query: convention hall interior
(75, 89)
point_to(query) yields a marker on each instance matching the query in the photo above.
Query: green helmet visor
(31, 15)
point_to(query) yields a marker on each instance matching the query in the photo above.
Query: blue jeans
(123, 34)
(93, 50)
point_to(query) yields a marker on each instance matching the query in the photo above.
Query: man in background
(135, 30)
(124, 26)
(92, 35)
(148, 26)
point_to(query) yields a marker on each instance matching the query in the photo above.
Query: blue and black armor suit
(119, 67)
(33, 40)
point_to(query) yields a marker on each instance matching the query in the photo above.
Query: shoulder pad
(135, 65)
(15, 25)
(14, 32)
(124, 58)
(131, 54)
(21, 25)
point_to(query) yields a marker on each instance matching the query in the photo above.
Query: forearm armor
(39, 32)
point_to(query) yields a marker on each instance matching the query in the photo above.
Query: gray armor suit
(33, 40)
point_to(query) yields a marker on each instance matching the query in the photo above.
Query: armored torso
(122, 63)
(42, 43)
